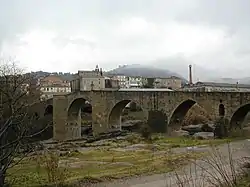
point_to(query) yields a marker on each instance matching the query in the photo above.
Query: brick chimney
(101, 72)
(190, 75)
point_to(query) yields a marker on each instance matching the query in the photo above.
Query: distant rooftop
(225, 85)
(144, 90)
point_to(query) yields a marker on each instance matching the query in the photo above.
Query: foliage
(196, 115)
(146, 132)
(17, 91)
(133, 106)
(221, 129)
(218, 168)
(150, 83)
(55, 174)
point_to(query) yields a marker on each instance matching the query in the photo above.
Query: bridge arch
(180, 112)
(48, 110)
(114, 118)
(74, 116)
(239, 116)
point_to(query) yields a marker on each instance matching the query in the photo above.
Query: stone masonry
(108, 105)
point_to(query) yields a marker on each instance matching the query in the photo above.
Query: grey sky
(67, 35)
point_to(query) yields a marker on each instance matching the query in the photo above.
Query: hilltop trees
(17, 92)
(150, 83)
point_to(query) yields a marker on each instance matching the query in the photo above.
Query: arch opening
(188, 113)
(48, 110)
(180, 112)
(238, 120)
(127, 115)
(221, 110)
(86, 119)
(79, 120)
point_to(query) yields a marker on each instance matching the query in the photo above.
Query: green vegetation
(107, 162)
(186, 142)
(99, 164)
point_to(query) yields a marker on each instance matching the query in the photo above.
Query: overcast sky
(67, 35)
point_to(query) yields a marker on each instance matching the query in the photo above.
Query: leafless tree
(17, 93)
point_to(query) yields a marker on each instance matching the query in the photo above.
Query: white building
(121, 80)
(134, 82)
(53, 85)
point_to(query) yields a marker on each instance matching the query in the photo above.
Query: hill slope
(144, 71)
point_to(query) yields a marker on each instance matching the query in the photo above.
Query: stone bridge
(107, 107)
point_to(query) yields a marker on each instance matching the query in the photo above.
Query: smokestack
(190, 75)
(101, 71)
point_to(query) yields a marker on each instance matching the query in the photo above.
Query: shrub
(55, 174)
(146, 132)
(221, 127)
(196, 115)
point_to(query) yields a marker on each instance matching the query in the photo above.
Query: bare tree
(17, 92)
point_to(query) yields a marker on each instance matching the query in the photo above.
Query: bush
(146, 132)
(221, 127)
(196, 115)
(50, 162)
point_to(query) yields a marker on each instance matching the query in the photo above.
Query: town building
(92, 80)
(216, 87)
(121, 80)
(111, 83)
(53, 85)
(172, 82)
(140, 82)
(134, 82)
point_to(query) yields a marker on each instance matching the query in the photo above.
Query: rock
(121, 138)
(181, 133)
(192, 129)
(207, 127)
(132, 125)
(203, 135)
(86, 130)
(108, 135)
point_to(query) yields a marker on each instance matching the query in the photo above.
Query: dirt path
(192, 172)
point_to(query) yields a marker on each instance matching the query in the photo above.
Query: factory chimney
(190, 75)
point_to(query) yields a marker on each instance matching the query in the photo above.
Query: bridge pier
(99, 120)
(66, 127)
(73, 126)
(60, 104)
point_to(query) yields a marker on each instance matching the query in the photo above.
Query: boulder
(132, 125)
(203, 135)
(181, 133)
(192, 129)
(86, 130)
(207, 127)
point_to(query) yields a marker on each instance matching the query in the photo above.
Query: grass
(105, 163)
(102, 164)
(115, 165)
(173, 142)
(244, 182)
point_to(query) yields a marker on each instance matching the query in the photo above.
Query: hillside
(144, 71)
